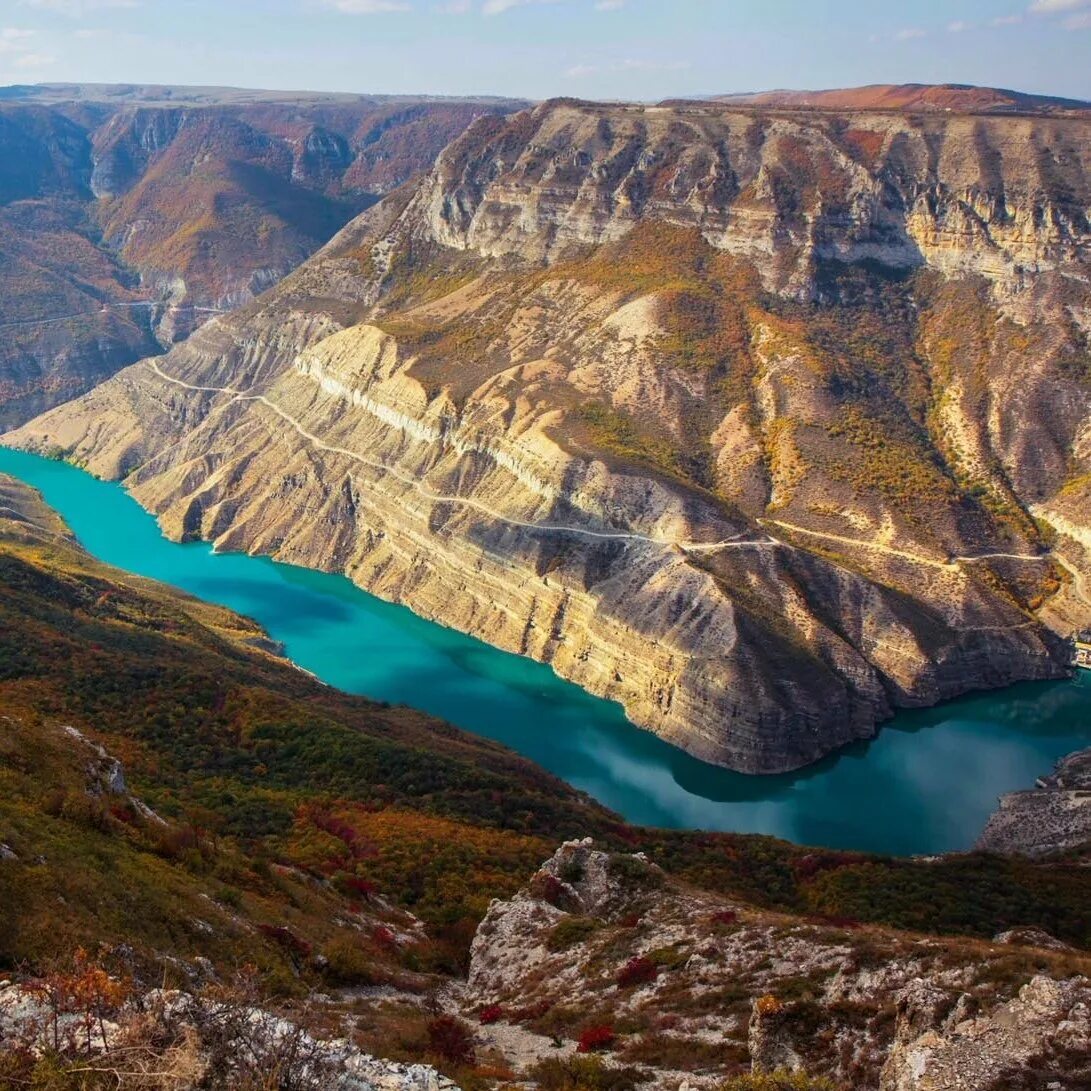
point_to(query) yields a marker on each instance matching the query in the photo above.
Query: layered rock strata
(761, 423)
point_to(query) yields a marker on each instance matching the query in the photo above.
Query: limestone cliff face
(1000, 197)
(737, 417)
(1052, 817)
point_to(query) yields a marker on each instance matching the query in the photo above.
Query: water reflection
(926, 784)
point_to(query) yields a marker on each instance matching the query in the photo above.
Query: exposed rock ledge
(870, 1009)
(1053, 816)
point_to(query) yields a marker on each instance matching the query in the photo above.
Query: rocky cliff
(759, 421)
(604, 949)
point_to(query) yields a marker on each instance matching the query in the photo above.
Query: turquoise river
(926, 784)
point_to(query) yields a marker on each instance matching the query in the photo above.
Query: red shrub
(597, 1038)
(492, 1014)
(383, 937)
(124, 812)
(361, 888)
(554, 891)
(632, 921)
(451, 1039)
(725, 916)
(287, 939)
(637, 971)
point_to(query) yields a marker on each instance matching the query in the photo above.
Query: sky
(603, 49)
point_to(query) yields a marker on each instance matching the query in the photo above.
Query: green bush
(583, 1074)
(570, 931)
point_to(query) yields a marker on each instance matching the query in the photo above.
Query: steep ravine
(411, 408)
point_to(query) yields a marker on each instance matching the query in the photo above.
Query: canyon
(760, 421)
(129, 215)
(213, 867)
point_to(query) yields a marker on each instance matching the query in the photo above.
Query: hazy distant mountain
(191, 199)
(957, 97)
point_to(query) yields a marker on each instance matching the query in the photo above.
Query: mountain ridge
(957, 97)
(674, 328)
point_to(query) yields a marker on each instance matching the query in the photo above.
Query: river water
(926, 784)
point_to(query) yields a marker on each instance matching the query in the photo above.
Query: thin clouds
(1053, 7)
(1078, 15)
(77, 9)
(367, 7)
(26, 61)
(907, 34)
(441, 7)
(498, 7)
(17, 49)
(16, 40)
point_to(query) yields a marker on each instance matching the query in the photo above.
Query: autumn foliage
(637, 971)
(597, 1038)
(450, 1039)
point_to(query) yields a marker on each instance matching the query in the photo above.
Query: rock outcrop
(1053, 816)
(176, 1039)
(683, 976)
(761, 423)
(1043, 1034)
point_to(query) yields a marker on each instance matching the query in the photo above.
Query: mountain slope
(127, 215)
(762, 426)
(180, 807)
(958, 97)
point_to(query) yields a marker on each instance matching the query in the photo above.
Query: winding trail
(453, 498)
(32, 322)
(737, 542)
(917, 558)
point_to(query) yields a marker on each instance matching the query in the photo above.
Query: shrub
(635, 874)
(779, 1081)
(550, 889)
(286, 938)
(354, 885)
(572, 872)
(348, 963)
(596, 1038)
(384, 938)
(637, 971)
(451, 1039)
(583, 1074)
(570, 931)
(491, 1014)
